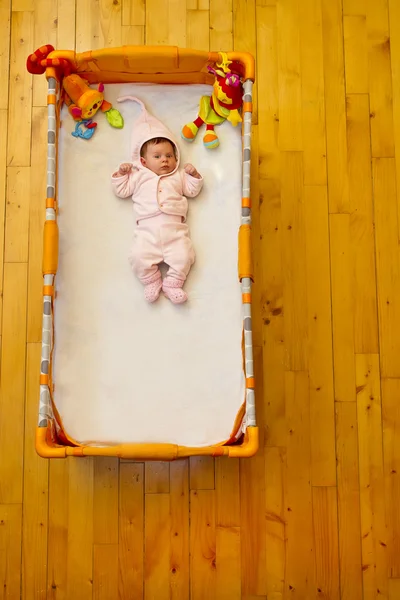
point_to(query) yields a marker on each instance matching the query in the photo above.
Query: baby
(158, 189)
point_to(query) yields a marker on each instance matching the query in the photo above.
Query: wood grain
(17, 214)
(105, 571)
(387, 264)
(157, 546)
(374, 532)
(58, 530)
(391, 454)
(10, 550)
(36, 491)
(179, 533)
(362, 225)
(12, 385)
(342, 308)
(5, 28)
(20, 97)
(319, 327)
(355, 54)
(105, 501)
(300, 550)
(156, 478)
(131, 530)
(80, 529)
(348, 487)
(335, 106)
(202, 545)
(325, 519)
(275, 521)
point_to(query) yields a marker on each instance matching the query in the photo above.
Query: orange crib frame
(157, 64)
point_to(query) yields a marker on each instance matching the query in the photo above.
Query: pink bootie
(153, 287)
(172, 288)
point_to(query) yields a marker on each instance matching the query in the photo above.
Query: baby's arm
(124, 180)
(192, 181)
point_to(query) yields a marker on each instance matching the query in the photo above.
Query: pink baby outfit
(161, 207)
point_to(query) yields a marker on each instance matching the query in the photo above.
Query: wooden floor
(316, 514)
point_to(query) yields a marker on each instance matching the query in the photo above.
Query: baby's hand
(191, 170)
(125, 168)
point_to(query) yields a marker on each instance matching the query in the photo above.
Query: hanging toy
(83, 101)
(87, 133)
(222, 105)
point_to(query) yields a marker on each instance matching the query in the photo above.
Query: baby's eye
(157, 156)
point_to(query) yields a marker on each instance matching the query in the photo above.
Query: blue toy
(84, 129)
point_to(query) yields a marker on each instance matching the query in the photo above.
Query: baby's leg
(146, 255)
(179, 256)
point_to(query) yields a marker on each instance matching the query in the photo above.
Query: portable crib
(165, 66)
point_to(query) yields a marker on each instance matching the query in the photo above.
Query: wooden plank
(202, 545)
(227, 488)
(20, 97)
(198, 4)
(177, 23)
(45, 32)
(394, 11)
(98, 24)
(5, 29)
(342, 308)
(133, 12)
(66, 15)
(362, 234)
(271, 296)
(105, 501)
(3, 177)
(201, 472)
(12, 388)
(294, 262)
(257, 289)
(268, 90)
(179, 508)
(17, 214)
(132, 35)
(221, 25)
(36, 195)
(319, 325)
(109, 17)
(312, 91)
(80, 529)
(131, 530)
(198, 29)
(348, 501)
(275, 521)
(354, 7)
(394, 589)
(245, 36)
(380, 79)
(391, 455)
(157, 478)
(58, 530)
(228, 580)
(335, 106)
(356, 54)
(372, 484)
(36, 491)
(387, 264)
(23, 5)
(299, 575)
(10, 550)
(325, 519)
(290, 134)
(157, 29)
(105, 571)
(157, 547)
(252, 501)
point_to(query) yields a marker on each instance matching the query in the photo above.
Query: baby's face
(160, 158)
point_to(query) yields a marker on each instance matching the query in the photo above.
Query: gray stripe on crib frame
(45, 408)
(250, 419)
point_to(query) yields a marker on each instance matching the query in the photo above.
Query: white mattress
(124, 370)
